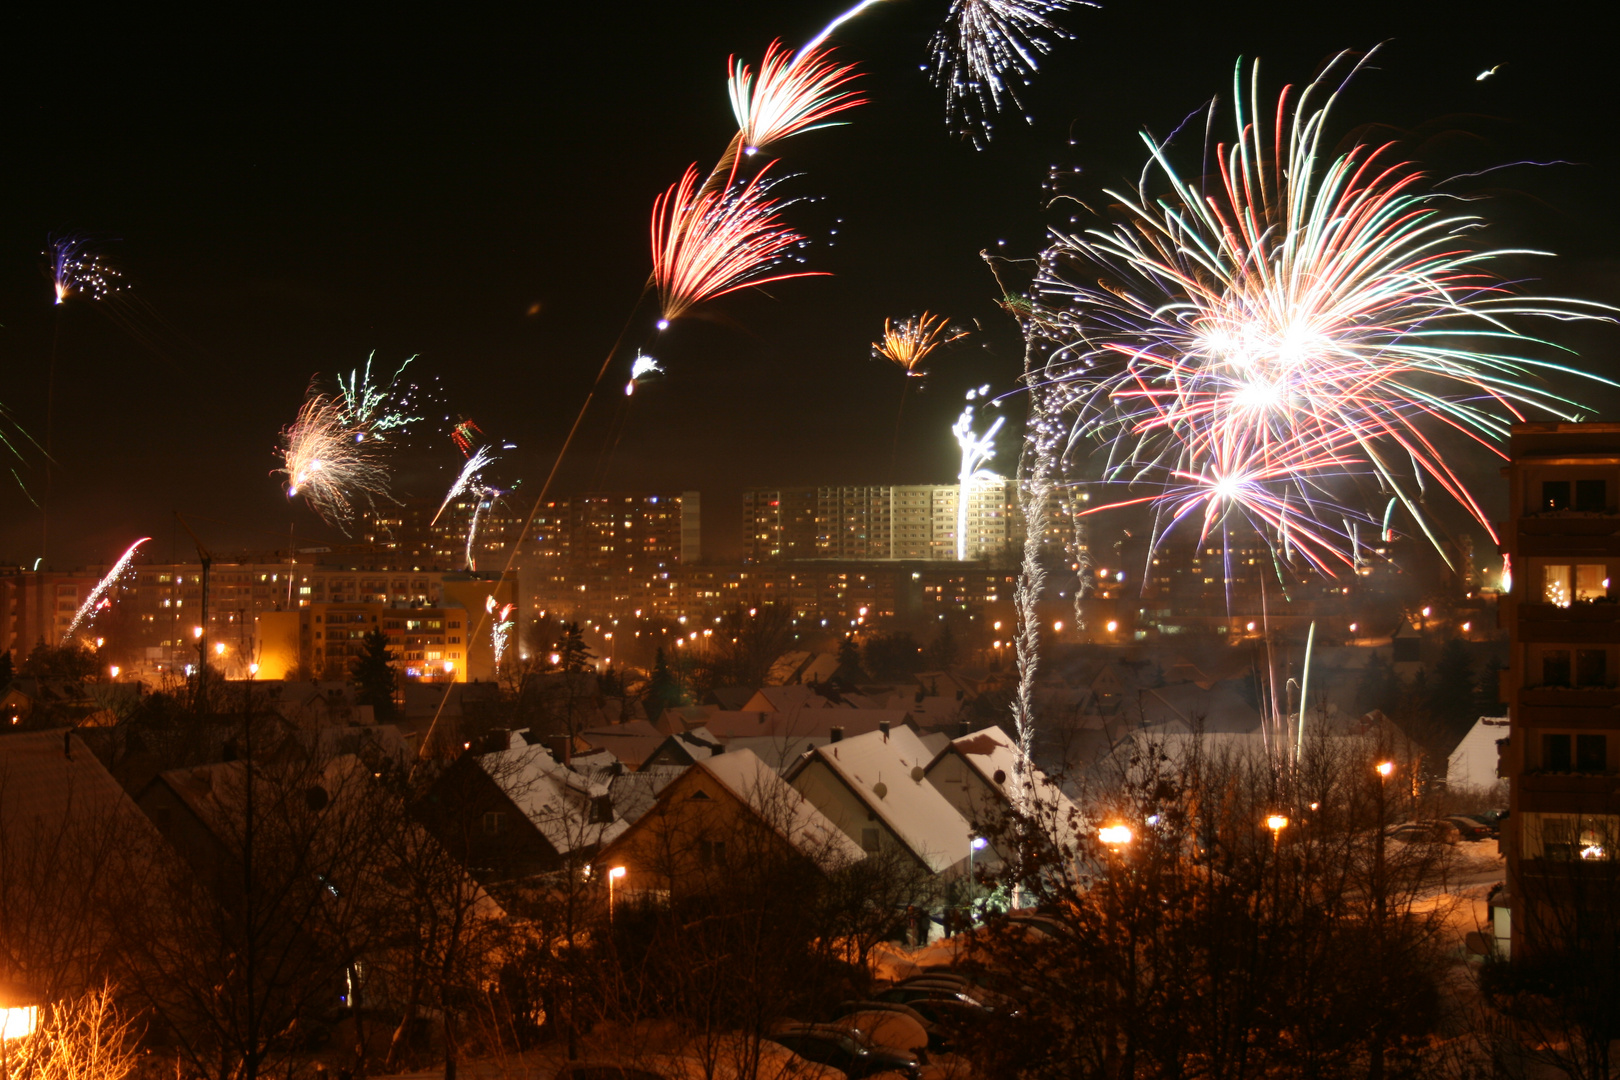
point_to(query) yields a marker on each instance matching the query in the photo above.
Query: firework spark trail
(500, 630)
(986, 49)
(76, 270)
(486, 500)
(976, 450)
(97, 595)
(373, 409)
(327, 461)
(1259, 341)
(706, 245)
(465, 480)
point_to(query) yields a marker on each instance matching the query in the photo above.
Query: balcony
(1568, 533)
(1575, 624)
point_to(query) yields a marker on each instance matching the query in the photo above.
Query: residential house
(724, 814)
(517, 813)
(875, 788)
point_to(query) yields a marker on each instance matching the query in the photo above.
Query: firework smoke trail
(373, 409)
(986, 49)
(329, 463)
(99, 593)
(464, 481)
(1297, 323)
(976, 450)
(706, 245)
(486, 498)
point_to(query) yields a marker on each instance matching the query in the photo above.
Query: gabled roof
(782, 698)
(51, 778)
(887, 773)
(555, 798)
(794, 817)
(812, 722)
(731, 697)
(990, 753)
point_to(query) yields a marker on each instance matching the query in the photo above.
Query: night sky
(287, 193)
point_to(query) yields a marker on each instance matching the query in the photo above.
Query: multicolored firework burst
(500, 629)
(330, 463)
(794, 92)
(99, 598)
(707, 244)
(1269, 341)
(907, 343)
(462, 435)
(986, 49)
(78, 271)
(373, 409)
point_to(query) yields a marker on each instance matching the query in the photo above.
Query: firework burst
(466, 480)
(374, 409)
(986, 49)
(792, 93)
(78, 271)
(707, 244)
(330, 463)
(907, 343)
(1269, 340)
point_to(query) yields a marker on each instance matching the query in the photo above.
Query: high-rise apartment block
(1562, 756)
(891, 521)
(609, 554)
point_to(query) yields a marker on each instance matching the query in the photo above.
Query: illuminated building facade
(1562, 755)
(608, 555)
(38, 606)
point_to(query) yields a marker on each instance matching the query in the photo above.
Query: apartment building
(609, 555)
(1562, 755)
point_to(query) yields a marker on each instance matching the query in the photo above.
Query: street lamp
(19, 1015)
(614, 875)
(1115, 836)
(114, 671)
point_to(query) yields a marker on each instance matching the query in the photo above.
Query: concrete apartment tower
(1562, 543)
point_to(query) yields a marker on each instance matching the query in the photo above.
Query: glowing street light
(614, 874)
(1115, 836)
(114, 670)
(1384, 768)
(19, 1013)
(219, 648)
(1113, 625)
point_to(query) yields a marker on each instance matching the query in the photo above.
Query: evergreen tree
(663, 688)
(1378, 688)
(6, 671)
(1488, 692)
(849, 661)
(1451, 697)
(572, 652)
(942, 652)
(373, 677)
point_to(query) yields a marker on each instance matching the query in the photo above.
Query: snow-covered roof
(990, 753)
(558, 800)
(782, 698)
(782, 807)
(635, 793)
(887, 772)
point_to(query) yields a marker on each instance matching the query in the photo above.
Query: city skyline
(270, 232)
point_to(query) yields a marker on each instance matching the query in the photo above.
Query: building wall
(1563, 679)
(608, 554)
(38, 606)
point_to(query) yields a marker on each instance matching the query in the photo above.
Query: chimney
(837, 734)
(883, 726)
(561, 747)
(963, 729)
(67, 745)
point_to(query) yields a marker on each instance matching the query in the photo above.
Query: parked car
(960, 987)
(856, 1056)
(1491, 819)
(938, 1033)
(1472, 829)
(1425, 832)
